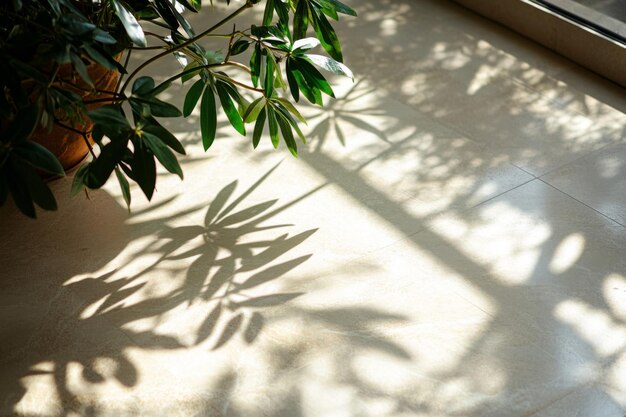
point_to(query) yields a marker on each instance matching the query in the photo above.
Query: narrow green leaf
(291, 121)
(255, 65)
(109, 115)
(285, 128)
(163, 154)
(20, 193)
(289, 106)
(314, 78)
(165, 135)
(327, 35)
(100, 57)
(166, 14)
(338, 6)
(293, 84)
(268, 15)
(132, 27)
(101, 168)
(81, 69)
(37, 188)
(268, 83)
(258, 128)
(273, 124)
(239, 47)
(79, 177)
(143, 85)
(144, 169)
(330, 65)
(124, 186)
(39, 157)
(229, 108)
(160, 108)
(192, 97)
(102, 36)
(303, 45)
(208, 118)
(301, 20)
(253, 110)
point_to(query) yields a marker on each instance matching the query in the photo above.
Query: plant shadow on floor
(215, 276)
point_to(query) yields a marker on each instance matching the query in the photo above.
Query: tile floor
(450, 243)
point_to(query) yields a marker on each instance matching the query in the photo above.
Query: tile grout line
(583, 203)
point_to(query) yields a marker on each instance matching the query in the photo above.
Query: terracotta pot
(68, 146)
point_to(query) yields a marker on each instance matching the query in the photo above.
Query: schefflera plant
(280, 65)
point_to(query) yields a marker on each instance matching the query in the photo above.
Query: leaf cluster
(49, 48)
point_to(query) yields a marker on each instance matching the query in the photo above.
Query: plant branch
(188, 42)
(240, 84)
(80, 132)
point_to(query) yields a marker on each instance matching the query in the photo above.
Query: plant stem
(188, 42)
(246, 86)
(119, 81)
(208, 66)
(80, 132)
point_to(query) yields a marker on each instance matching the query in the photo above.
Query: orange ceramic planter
(68, 146)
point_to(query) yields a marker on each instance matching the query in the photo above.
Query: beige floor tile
(596, 180)
(403, 265)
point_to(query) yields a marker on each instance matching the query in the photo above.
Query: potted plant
(66, 83)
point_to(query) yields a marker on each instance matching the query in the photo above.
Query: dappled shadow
(59, 318)
(458, 134)
(499, 294)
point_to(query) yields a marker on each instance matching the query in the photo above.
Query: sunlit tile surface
(450, 243)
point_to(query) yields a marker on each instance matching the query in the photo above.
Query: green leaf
(314, 78)
(310, 91)
(163, 154)
(160, 108)
(22, 127)
(268, 15)
(190, 5)
(144, 169)
(258, 128)
(78, 183)
(189, 75)
(273, 124)
(289, 106)
(165, 135)
(37, 188)
(132, 27)
(255, 65)
(192, 97)
(254, 109)
(239, 47)
(100, 57)
(109, 117)
(81, 69)
(39, 157)
(338, 6)
(19, 192)
(124, 186)
(285, 113)
(229, 108)
(303, 45)
(208, 118)
(101, 168)
(326, 34)
(330, 65)
(301, 20)
(143, 85)
(268, 83)
(291, 79)
(102, 36)
(285, 128)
